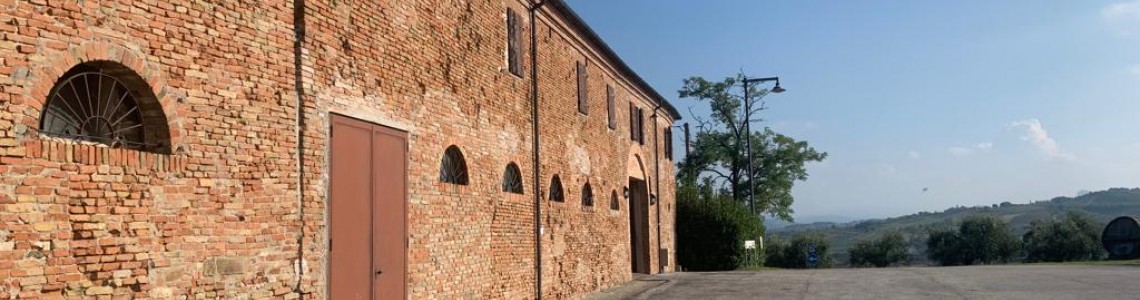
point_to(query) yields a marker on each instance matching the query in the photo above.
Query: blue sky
(979, 101)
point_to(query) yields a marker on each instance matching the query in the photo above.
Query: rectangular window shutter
(668, 148)
(583, 104)
(514, 49)
(610, 115)
(640, 126)
(632, 122)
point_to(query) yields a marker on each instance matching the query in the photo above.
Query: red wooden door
(389, 239)
(367, 192)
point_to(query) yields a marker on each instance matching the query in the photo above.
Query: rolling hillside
(1103, 205)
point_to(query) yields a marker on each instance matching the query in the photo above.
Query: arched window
(512, 179)
(614, 205)
(587, 195)
(107, 103)
(556, 189)
(453, 168)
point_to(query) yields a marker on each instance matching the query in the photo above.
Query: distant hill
(1103, 205)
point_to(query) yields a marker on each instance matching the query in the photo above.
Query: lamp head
(777, 89)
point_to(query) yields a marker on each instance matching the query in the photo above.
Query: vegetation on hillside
(1100, 207)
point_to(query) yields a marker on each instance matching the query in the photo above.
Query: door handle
(378, 272)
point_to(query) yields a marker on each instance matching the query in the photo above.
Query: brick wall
(217, 212)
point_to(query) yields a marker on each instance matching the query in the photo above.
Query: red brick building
(324, 149)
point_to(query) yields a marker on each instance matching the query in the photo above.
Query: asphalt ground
(972, 282)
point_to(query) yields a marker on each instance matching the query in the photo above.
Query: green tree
(1073, 237)
(883, 251)
(943, 246)
(979, 239)
(719, 152)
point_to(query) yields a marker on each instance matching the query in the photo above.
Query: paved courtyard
(976, 282)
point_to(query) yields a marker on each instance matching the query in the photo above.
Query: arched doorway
(637, 192)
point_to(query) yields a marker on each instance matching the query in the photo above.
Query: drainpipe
(657, 182)
(299, 88)
(535, 6)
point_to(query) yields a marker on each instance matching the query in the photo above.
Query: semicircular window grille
(90, 105)
(587, 195)
(512, 179)
(556, 189)
(453, 168)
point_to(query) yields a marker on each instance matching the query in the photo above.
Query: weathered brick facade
(219, 211)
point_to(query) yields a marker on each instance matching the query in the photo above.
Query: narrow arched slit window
(512, 179)
(107, 103)
(587, 195)
(453, 168)
(556, 189)
(614, 200)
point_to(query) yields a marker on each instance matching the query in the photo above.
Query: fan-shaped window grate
(87, 104)
(512, 179)
(587, 195)
(556, 189)
(614, 205)
(453, 168)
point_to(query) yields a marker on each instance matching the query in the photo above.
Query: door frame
(333, 117)
(638, 204)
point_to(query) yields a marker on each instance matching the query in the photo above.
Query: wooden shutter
(640, 126)
(632, 122)
(514, 47)
(610, 115)
(583, 103)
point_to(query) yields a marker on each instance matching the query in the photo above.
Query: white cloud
(979, 147)
(1036, 134)
(960, 151)
(914, 155)
(1125, 16)
(1122, 10)
(1135, 71)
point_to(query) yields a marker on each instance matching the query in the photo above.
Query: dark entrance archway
(639, 225)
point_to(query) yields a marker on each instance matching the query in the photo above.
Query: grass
(1134, 262)
(758, 268)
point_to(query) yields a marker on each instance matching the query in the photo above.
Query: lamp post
(748, 131)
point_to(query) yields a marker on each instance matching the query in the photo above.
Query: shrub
(883, 251)
(711, 233)
(793, 254)
(1076, 236)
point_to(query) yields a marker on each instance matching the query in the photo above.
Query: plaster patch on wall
(578, 157)
(510, 138)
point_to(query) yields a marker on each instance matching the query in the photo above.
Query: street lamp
(748, 131)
